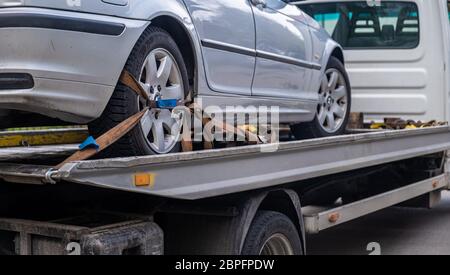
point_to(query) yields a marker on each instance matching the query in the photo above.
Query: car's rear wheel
(157, 63)
(333, 109)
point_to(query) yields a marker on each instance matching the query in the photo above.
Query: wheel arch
(284, 201)
(181, 29)
(339, 54)
(220, 225)
(331, 49)
(184, 41)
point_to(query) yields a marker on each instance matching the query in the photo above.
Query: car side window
(356, 25)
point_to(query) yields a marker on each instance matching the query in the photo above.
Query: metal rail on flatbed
(320, 218)
(36, 152)
(211, 173)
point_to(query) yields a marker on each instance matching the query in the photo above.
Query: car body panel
(277, 25)
(134, 9)
(225, 27)
(74, 77)
(76, 72)
(286, 110)
(323, 49)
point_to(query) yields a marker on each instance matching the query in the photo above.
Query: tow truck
(237, 201)
(206, 202)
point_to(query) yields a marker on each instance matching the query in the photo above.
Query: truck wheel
(272, 233)
(334, 106)
(157, 63)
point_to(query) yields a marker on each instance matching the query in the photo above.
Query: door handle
(259, 3)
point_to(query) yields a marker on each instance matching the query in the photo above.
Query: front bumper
(75, 59)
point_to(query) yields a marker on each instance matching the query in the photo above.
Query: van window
(356, 25)
(448, 8)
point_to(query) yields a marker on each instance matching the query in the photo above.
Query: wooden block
(356, 121)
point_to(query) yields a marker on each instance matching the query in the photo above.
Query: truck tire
(157, 63)
(333, 110)
(272, 233)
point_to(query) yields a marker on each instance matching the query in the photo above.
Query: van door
(227, 33)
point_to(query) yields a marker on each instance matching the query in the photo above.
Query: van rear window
(356, 25)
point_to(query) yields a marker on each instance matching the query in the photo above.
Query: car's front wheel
(157, 63)
(333, 108)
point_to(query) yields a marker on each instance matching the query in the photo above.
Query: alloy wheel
(333, 101)
(161, 78)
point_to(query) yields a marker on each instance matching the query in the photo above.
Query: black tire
(124, 102)
(313, 129)
(267, 224)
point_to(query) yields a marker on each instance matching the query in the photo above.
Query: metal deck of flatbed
(211, 173)
(36, 152)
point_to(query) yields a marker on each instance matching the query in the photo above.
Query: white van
(397, 54)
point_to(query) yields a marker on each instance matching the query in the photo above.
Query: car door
(284, 50)
(227, 33)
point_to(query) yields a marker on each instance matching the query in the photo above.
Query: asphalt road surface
(395, 231)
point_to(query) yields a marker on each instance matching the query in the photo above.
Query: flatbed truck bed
(199, 191)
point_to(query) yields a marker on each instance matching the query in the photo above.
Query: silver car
(63, 59)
